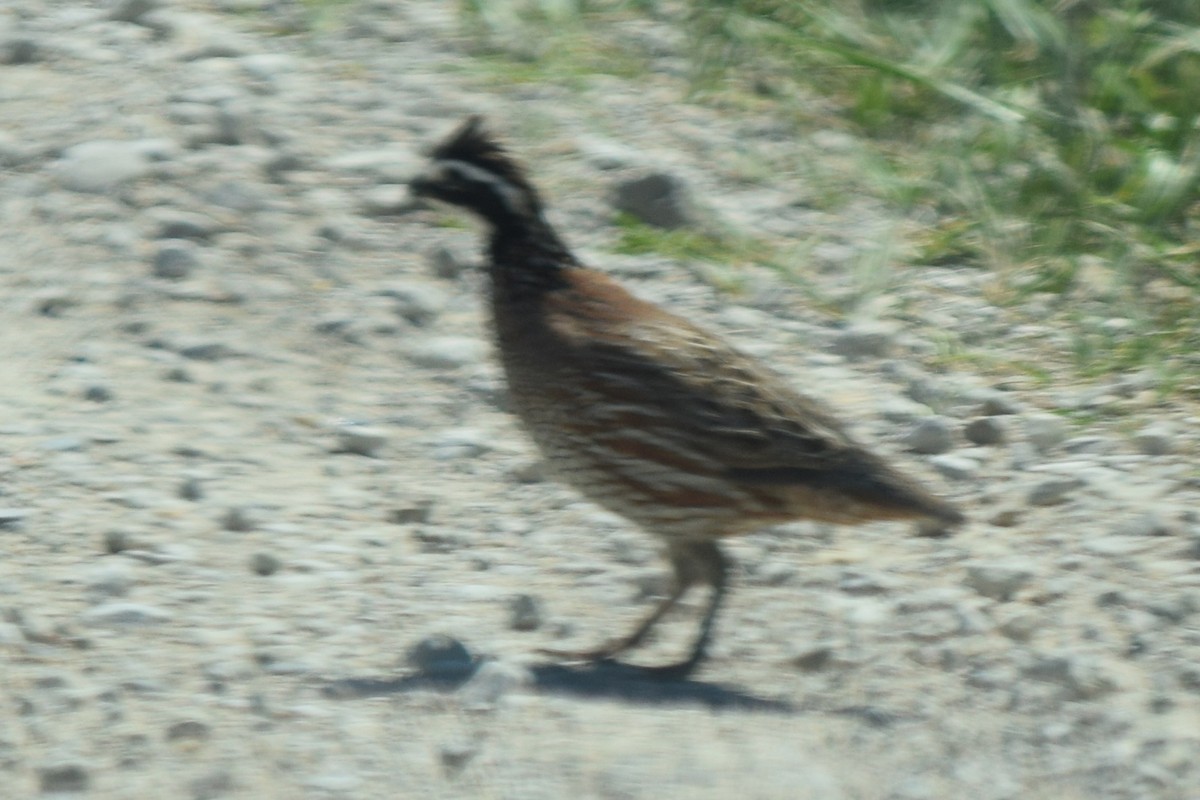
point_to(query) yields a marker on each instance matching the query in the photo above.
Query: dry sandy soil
(267, 530)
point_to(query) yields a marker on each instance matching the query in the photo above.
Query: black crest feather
(472, 143)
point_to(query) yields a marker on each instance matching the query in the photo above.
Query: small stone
(265, 564)
(418, 305)
(985, 431)
(811, 658)
(444, 264)
(456, 756)
(1150, 523)
(188, 730)
(417, 513)
(385, 200)
(1083, 676)
(1018, 625)
(63, 778)
(113, 578)
(447, 352)
(1045, 431)
(361, 440)
(440, 656)
(117, 541)
(122, 613)
(101, 166)
(657, 199)
(956, 468)
(206, 351)
(132, 10)
(1155, 440)
(191, 489)
(213, 785)
(463, 443)
(1006, 517)
(865, 340)
(524, 613)
(12, 517)
(996, 403)
(931, 436)
(16, 48)
(97, 393)
(998, 581)
(175, 260)
(1052, 491)
(237, 519)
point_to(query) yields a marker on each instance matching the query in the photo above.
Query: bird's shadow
(605, 680)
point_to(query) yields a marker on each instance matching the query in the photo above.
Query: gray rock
(441, 656)
(362, 440)
(123, 613)
(265, 564)
(463, 443)
(1052, 491)
(657, 199)
(113, 578)
(999, 581)
(985, 431)
(191, 489)
(98, 393)
(1155, 440)
(447, 352)
(445, 264)
(206, 351)
(811, 657)
(101, 166)
(175, 260)
(930, 436)
(64, 778)
(19, 48)
(1045, 431)
(865, 340)
(12, 517)
(238, 519)
(956, 468)
(419, 512)
(524, 613)
(189, 730)
(1150, 523)
(385, 200)
(417, 304)
(132, 10)
(1083, 676)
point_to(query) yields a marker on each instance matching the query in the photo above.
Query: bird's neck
(528, 260)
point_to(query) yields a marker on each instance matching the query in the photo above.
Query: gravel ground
(268, 531)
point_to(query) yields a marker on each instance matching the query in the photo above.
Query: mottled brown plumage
(645, 413)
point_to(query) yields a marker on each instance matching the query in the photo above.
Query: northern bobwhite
(645, 413)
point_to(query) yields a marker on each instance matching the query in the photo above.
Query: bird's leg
(698, 561)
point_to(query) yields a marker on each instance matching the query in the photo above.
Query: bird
(646, 413)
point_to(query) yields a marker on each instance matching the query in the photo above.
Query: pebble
(64, 778)
(998, 581)
(101, 166)
(175, 260)
(416, 304)
(441, 657)
(123, 613)
(658, 198)
(238, 519)
(447, 352)
(11, 517)
(955, 468)
(865, 340)
(524, 613)
(1083, 676)
(265, 564)
(930, 436)
(362, 440)
(1155, 440)
(1045, 431)
(1052, 491)
(985, 431)
(443, 263)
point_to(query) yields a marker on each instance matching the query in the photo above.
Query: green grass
(1048, 141)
